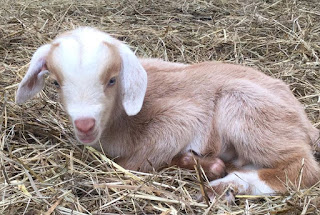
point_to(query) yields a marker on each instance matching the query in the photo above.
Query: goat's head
(96, 74)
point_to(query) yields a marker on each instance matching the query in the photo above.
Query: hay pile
(43, 168)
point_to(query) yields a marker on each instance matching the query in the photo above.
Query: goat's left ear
(133, 81)
(33, 81)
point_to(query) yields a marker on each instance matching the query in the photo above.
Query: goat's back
(202, 83)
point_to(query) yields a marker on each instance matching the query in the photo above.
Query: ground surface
(44, 170)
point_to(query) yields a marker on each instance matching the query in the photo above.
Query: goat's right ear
(33, 81)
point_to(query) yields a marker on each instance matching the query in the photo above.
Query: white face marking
(81, 58)
(249, 182)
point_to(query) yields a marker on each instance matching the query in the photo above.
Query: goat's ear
(33, 81)
(133, 81)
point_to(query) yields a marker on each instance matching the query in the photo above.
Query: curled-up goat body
(148, 113)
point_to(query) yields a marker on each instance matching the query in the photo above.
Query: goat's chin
(88, 140)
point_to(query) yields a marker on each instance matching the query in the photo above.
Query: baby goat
(149, 113)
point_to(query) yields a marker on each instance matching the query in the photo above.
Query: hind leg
(267, 134)
(299, 173)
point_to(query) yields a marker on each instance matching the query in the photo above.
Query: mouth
(87, 139)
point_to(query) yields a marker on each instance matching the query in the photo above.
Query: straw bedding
(44, 170)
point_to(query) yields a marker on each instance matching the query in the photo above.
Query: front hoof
(222, 192)
(230, 195)
(215, 169)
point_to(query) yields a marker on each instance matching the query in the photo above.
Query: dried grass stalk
(45, 171)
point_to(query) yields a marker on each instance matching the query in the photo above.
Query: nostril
(85, 125)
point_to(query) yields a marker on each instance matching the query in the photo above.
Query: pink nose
(85, 125)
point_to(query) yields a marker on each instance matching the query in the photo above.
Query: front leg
(167, 133)
(147, 158)
(213, 167)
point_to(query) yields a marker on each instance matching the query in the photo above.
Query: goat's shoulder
(152, 65)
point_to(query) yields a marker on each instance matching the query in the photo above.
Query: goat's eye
(112, 81)
(56, 83)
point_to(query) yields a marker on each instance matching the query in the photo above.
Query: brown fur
(236, 109)
(52, 66)
(114, 64)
